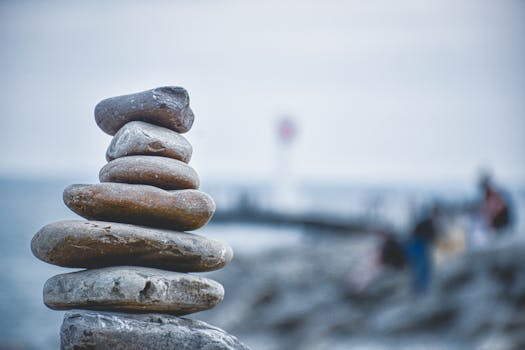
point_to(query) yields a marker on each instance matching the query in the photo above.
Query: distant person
(495, 208)
(391, 252)
(492, 215)
(419, 251)
(386, 254)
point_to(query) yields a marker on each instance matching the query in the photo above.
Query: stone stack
(133, 247)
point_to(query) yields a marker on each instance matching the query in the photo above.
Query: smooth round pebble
(140, 138)
(166, 173)
(167, 106)
(92, 244)
(133, 289)
(183, 210)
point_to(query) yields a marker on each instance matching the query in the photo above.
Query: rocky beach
(300, 298)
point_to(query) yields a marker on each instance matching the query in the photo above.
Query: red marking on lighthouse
(287, 130)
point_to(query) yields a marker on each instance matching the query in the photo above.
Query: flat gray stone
(83, 330)
(92, 244)
(166, 173)
(167, 106)
(133, 289)
(183, 210)
(140, 138)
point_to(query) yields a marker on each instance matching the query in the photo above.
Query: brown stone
(166, 173)
(141, 205)
(167, 106)
(92, 244)
(134, 289)
(139, 138)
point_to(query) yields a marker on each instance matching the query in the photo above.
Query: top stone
(164, 106)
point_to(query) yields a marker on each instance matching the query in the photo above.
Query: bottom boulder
(115, 331)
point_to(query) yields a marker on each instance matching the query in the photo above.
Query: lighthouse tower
(285, 190)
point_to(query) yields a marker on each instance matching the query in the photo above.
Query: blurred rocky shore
(300, 298)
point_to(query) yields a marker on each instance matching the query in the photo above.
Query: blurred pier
(307, 220)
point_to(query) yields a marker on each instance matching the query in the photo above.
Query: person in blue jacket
(419, 251)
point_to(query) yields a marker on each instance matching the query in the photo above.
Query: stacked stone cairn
(133, 247)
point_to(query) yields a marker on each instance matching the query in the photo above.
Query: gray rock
(141, 204)
(164, 106)
(166, 173)
(134, 289)
(139, 138)
(91, 244)
(117, 331)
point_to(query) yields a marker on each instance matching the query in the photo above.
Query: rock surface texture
(139, 138)
(141, 205)
(137, 289)
(109, 331)
(167, 106)
(137, 272)
(166, 173)
(92, 244)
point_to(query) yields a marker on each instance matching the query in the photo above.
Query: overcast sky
(381, 90)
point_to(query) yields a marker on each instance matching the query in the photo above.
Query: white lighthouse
(284, 185)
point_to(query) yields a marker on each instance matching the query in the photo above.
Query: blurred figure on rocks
(419, 251)
(495, 208)
(387, 254)
(491, 217)
(391, 252)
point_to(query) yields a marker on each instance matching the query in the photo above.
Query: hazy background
(397, 104)
(382, 90)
